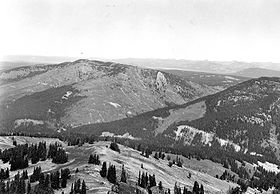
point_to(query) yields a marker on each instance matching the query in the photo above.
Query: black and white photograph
(140, 97)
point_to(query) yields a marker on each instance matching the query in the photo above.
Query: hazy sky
(247, 30)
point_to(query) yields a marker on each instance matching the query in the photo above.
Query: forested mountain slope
(84, 92)
(245, 116)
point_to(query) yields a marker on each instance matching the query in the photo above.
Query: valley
(225, 128)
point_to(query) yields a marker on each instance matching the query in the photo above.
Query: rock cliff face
(161, 81)
(86, 92)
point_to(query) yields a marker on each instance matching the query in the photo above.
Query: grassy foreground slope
(132, 161)
(7, 141)
(202, 171)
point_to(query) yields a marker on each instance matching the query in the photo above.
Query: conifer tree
(162, 156)
(156, 156)
(143, 181)
(111, 175)
(185, 191)
(8, 186)
(65, 174)
(42, 180)
(28, 187)
(160, 185)
(7, 173)
(103, 171)
(21, 186)
(196, 188)
(201, 189)
(42, 151)
(72, 189)
(139, 179)
(57, 175)
(177, 189)
(90, 160)
(77, 186)
(47, 181)
(96, 159)
(84, 188)
(123, 175)
(146, 179)
(2, 186)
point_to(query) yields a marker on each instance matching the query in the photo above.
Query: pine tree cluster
(159, 155)
(19, 156)
(114, 146)
(94, 159)
(109, 173)
(36, 174)
(179, 161)
(57, 153)
(4, 174)
(78, 187)
(184, 190)
(146, 181)
(38, 152)
(17, 185)
(47, 182)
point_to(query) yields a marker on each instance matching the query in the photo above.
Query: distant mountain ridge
(208, 66)
(218, 67)
(258, 72)
(211, 79)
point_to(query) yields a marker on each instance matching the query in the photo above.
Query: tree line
(20, 155)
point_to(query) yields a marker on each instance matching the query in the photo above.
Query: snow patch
(116, 105)
(188, 133)
(18, 122)
(126, 135)
(255, 154)
(256, 120)
(227, 81)
(269, 166)
(224, 142)
(68, 93)
(157, 118)
(232, 78)
(43, 83)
